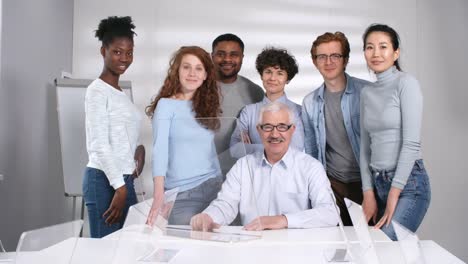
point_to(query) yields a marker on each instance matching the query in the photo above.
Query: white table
(276, 246)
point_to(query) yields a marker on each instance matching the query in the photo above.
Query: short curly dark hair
(277, 57)
(227, 37)
(115, 27)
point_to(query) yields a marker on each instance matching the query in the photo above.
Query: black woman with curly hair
(112, 133)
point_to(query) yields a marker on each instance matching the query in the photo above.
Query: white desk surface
(313, 235)
(279, 246)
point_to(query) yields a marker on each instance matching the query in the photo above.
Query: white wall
(35, 47)
(433, 38)
(442, 54)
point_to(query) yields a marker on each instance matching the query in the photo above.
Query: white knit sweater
(112, 131)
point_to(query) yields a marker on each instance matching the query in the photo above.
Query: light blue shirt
(183, 151)
(296, 186)
(314, 119)
(248, 122)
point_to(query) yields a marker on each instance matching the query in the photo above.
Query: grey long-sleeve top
(391, 114)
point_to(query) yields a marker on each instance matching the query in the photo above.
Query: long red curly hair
(206, 101)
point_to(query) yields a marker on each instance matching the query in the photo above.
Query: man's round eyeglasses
(280, 127)
(321, 58)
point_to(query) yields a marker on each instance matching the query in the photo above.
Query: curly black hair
(277, 57)
(115, 27)
(227, 37)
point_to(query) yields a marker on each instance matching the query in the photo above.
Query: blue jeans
(98, 194)
(193, 201)
(413, 201)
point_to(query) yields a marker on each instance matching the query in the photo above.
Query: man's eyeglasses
(280, 127)
(321, 58)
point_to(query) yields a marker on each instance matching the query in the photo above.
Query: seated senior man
(280, 187)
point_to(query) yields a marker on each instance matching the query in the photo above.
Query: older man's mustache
(275, 139)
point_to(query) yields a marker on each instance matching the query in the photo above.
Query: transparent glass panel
(409, 244)
(240, 143)
(194, 159)
(226, 151)
(159, 255)
(142, 238)
(365, 251)
(138, 213)
(41, 245)
(217, 235)
(133, 243)
(341, 252)
(5, 257)
(2, 249)
(194, 156)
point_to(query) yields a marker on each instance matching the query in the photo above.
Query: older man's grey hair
(275, 107)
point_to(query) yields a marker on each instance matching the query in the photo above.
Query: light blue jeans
(98, 194)
(413, 202)
(193, 201)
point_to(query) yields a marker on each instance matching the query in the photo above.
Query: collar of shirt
(349, 87)
(286, 161)
(283, 99)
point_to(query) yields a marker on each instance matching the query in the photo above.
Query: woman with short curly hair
(276, 68)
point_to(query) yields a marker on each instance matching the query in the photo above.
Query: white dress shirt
(296, 186)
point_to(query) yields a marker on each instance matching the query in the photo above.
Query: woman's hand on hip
(115, 211)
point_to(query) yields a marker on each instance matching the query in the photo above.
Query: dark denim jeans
(193, 201)
(413, 202)
(98, 194)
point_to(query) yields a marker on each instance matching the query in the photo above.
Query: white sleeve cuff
(215, 214)
(294, 221)
(117, 183)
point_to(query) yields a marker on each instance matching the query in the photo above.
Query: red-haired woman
(184, 116)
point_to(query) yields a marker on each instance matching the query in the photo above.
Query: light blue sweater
(183, 151)
(391, 114)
